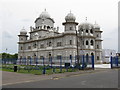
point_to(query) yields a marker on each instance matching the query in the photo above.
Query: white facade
(45, 40)
(106, 55)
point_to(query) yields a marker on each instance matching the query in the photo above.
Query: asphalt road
(104, 79)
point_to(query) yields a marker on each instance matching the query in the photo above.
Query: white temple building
(45, 40)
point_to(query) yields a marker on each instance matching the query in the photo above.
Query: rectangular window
(59, 44)
(70, 28)
(97, 57)
(70, 42)
(42, 46)
(29, 47)
(58, 57)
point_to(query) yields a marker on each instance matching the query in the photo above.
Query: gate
(115, 62)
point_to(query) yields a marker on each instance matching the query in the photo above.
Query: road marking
(23, 82)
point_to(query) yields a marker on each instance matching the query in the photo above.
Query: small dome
(96, 26)
(86, 25)
(70, 17)
(23, 31)
(44, 14)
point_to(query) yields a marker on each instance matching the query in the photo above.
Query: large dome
(44, 14)
(86, 25)
(70, 17)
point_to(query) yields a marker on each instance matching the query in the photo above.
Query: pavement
(9, 78)
(98, 78)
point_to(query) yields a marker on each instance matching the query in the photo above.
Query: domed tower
(22, 38)
(87, 38)
(98, 42)
(70, 24)
(44, 21)
(23, 35)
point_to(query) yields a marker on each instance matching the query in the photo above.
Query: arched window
(91, 42)
(87, 43)
(91, 31)
(48, 27)
(86, 31)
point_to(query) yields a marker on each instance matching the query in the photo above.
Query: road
(102, 79)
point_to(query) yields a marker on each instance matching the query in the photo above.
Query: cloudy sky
(16, 14)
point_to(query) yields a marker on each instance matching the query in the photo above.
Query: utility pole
(77, 48)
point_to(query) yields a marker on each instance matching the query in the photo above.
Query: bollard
(54, 69)
(15, 68)
(44, 70)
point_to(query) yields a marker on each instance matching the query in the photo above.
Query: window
(91, 31)
(98, 58)
(29, 47)
(50, 44)
(70, 42)
(35, 45)
(70, 56)
(59, 44)
(86, 31)
(97, 46)
(97, 35)
(58, 57)
(70, 28)
(48, 27)
(42, 46)
(21, 48)
(21, 38)
(91, 42)
(87, 42)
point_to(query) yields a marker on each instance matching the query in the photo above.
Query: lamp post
(77, 48)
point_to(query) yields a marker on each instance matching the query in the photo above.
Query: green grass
(33, 70)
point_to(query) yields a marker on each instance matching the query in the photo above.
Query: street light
(77, 48)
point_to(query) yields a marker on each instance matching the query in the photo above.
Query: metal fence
(61, 61)
(115, 62)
